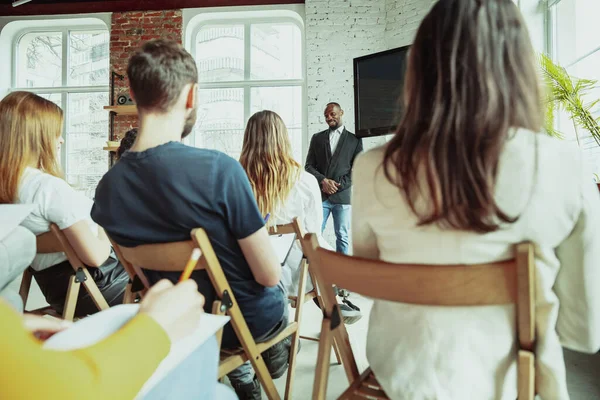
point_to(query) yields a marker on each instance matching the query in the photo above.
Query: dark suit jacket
(338, 166)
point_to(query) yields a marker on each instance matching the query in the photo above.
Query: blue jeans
(341, 223)
(195, 378)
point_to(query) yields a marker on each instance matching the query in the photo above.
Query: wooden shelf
(111, 148)
(122, 110)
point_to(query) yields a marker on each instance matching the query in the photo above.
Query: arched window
(69, 65)
(248, 65)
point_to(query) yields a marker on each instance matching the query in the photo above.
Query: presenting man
(330, 158)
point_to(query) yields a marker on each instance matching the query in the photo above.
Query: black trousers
(110, 278)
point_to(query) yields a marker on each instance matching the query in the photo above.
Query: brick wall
(129, 30)
(403, 18)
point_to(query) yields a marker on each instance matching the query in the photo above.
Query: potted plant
(566, 93)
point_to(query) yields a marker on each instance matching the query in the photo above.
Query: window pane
(287, 102)
(588, 68)
(88, 58)
(56, 98)
(221, 124)
(578, 30)
(276, 51)
(39, 59)
(220, 53)
(87, 133)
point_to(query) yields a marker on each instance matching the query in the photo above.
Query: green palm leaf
(566, 93)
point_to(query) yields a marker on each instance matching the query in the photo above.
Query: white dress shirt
(469, 353)
(334, 137)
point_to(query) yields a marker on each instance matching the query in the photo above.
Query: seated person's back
(161, 194)
(161, 189)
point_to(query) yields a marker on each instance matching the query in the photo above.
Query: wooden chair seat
(365, 387)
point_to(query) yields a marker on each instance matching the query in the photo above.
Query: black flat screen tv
(378, 85)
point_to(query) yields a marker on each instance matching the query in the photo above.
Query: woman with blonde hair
(466, 177)
(283, 190)
(30, 139)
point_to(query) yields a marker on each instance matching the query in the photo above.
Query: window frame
(64, 90)
(248, 84)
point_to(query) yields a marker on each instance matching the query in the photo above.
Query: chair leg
(262, 372)
(216, 310)
(71, 300)
(289, 385)
(93, 290)
(322, 371)
(526, 375)
(129, 296)
(25, 286)
(336, 350)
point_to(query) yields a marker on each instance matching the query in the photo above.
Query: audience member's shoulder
(370, 159)
(553, 152)
(45, 181)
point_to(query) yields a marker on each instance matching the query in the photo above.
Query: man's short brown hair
(158, 73)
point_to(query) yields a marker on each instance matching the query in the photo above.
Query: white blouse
(55, 202)
(304, 202)
(420, 352)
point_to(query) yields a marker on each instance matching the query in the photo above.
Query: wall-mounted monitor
(378, 85)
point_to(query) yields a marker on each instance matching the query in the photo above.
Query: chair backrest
(156, 257)
(55, 241)
(293, 227)
(496, 283)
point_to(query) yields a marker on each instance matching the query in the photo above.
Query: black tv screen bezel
(379, 131)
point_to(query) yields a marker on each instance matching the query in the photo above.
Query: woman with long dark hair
(465, 178)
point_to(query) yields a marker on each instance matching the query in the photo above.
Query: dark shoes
(350, 312)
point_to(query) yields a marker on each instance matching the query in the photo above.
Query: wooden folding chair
(173, 257)
(55, 241)
(506, 282)
(295, 227)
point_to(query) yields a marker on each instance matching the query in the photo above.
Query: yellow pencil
(191, 265)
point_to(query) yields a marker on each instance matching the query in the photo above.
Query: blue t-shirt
(161, 194)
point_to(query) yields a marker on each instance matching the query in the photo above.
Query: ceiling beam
(41, 7)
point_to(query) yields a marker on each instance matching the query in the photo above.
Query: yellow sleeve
(115, 368)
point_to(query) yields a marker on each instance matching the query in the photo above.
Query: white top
(304, 202)
(334, 137)
(54, 202)
(420, 352)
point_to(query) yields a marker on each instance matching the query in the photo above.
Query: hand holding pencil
(191, 265)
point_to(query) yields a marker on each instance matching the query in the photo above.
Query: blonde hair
(29, 129)
(268, 161)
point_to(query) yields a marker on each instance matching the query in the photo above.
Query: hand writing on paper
(177, 309)
(329, 186)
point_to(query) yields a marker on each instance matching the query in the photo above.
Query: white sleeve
(364, 241)
(313, 211)
(577, 282)
(63, 205)
(313, 208)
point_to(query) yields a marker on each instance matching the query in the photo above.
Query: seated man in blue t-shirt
(161, 189)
